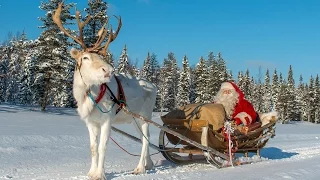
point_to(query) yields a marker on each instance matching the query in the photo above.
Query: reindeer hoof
(139, 170)
(95, 176)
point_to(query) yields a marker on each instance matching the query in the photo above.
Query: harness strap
(103, 88)
(120, 101)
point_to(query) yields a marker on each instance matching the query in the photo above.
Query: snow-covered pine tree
(184, 83)
(97, 9)
(165, 90)
(291, 101)
(123, 64)
(282, 100)
(222, 69)
(317, 100)
(146, 71)
(213, 81)
(240, 81)
(301, 101)
(275, 90)
(192, 94)
(246, 87)
(5, 53)
(311, 101)
(155, 68)
(266, 94)
(110, 58)
(175, 76)
(201, 82)
(24, 49)
(54, 65)
(230, 76)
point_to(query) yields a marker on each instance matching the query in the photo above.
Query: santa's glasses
(226, 91)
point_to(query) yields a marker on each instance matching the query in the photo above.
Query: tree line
(40, 72)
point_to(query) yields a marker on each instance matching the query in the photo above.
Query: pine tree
(146, 69)
(192, 94)
(275, 90)
(155, 68)
(311, 101)
(25, 77)
(282, 101)
(14, 67)
(317, 100)
(266, 93)
(301, 101)
(291, 101)
(123, 65)
(246, 87)
(240, 80)
(213, 80)
(201, 81)
(166, 99)
(5, 53)
(175, 75)
(97, 9)
(51, 83)
(222, 68)
(184, 83)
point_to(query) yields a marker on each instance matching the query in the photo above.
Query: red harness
(121, 99)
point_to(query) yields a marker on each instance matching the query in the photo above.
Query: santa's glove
(237, 121)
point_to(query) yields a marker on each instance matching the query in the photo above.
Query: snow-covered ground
(55, 145)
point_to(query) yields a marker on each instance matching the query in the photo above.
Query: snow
(55, 145)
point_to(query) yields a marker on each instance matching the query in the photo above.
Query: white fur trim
(226, 85)
(267, 117)
(242, 117)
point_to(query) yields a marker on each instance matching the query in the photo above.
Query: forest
(39, 72)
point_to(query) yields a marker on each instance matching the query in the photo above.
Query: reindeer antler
(102, 33)
(102, 49)
(56, 19)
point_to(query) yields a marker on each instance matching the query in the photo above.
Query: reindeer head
(91, 67)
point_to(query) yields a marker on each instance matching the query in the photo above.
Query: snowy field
(55, 145)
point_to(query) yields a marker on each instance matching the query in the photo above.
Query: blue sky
(249, 33)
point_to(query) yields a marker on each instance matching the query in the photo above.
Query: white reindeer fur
(140, 98)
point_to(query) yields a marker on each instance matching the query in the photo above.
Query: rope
(128, 151)
(94, 102)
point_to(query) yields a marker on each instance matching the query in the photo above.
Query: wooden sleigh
(204, 124)
(194, 134)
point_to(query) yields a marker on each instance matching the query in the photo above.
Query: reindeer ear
(75, 53)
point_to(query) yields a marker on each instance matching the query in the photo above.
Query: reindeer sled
(192, 133)
(196, 133)
(203, 128)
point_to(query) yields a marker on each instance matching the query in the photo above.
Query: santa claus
(236, 106)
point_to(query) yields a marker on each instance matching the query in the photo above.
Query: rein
(120, 101)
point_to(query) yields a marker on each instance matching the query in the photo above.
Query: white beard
(228, 101)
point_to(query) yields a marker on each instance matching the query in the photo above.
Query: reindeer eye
(85, 58)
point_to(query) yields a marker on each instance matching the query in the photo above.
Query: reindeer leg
(104, 137)
(93, 133)
(145, 160)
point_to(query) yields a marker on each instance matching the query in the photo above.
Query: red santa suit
(240, 110)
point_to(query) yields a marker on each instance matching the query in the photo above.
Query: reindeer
(94, 86)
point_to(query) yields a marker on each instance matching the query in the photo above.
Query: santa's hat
(231, 85)
(227, 85)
